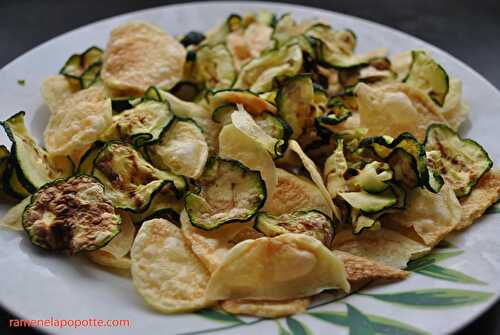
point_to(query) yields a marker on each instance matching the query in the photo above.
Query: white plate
(38, 285)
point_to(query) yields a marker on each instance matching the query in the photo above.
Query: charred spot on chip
(192, 38)
(71, 215)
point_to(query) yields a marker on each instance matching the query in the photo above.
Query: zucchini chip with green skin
(427, 75)
(274, 126)
(312, 223)
(4, 160)
(259, 74)
(181, 149)
(215, 66)
(294, 102)
(385, 145)
(285, 29)
(31, 163)
(129, 180)
(369, 202)
(84, 68)
(164, 205)
(373, 177)
(462, 161)
(229, 192)
(71, 215)
(186, 90)
(144, 123)
(336, 113)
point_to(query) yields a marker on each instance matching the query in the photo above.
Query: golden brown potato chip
(383, 246)
(293, 193)
(106, 259)
(395, 108)
(139, 55)
(360, 269)
(483, 195)
(165, 271)
(55, 90)
(431, 215)
(278, 268)
(266, 309)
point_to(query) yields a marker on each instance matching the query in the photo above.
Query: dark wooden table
(469, 30)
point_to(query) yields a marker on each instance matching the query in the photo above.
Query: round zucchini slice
(229, 192)
(462, 161)
(215, 67)
(129, 180)
(312, 223)
(71, 215)
(84, 68)
(426, 74)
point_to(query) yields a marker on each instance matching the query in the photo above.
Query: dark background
(467, 29)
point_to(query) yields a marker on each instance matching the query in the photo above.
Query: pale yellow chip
(315, 176)
(266, 309)
(293, 194)
(254, 104)
(361, 269)
(13, 219)
(165, 271)
(278, 268)
(120, 245)
(248, 44)
(396, 108)
(483, 195)
(106, 259)
(454, 109)
(55, 90)
(211, 246)
(139, 55)
(78, 121)
(384, 246)
(431, 215)
(234, 144)
(400, 64)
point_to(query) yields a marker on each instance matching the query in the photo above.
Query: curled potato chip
(120, 245)
(455, 110)
(165, 271)
(107, 259)
(253, 103)
(384, 246)
(13, 219)
(293, 194)
(431, 215)
(396, 108)
(78, 121)
(139, 55)
(266, 309)
(483, 195)
(55, 90)
(278, 268)
(235, 144)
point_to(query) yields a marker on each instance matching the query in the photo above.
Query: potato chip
(234, 144)
(315, 176)
(79, 121)
(266, 309)
(165, 271)
(211, 246)
(55, 90)
(278, 268)
(120, 245)
(395, 108)
(139, 55)
(455, 110)
(431, 215)
(483, 195)
(360, 269)
(13, 219)
(383, 246)
(106, 259)
(294, 193)
(248, 44)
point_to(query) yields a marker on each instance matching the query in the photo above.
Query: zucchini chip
(294, 101)
(129, 180)
(369, 202)
(373, 177)
(31, 163)
(84, 68)
(427, 75)
(253, 103)
(165, 205)
(336, 112)
(229, 192)
(71, 215)
(259, 74)
(215, 67)
(181, 149)
(13, 219)
(461, 161)
(165, 271)
(140, 55)
(247, 125)
(312, 223)
(144, 123)
(120, 245)
(260, 270)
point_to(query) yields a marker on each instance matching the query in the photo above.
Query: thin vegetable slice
(215, 67)
(229, 192)
(84, 68)
(253, 103)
